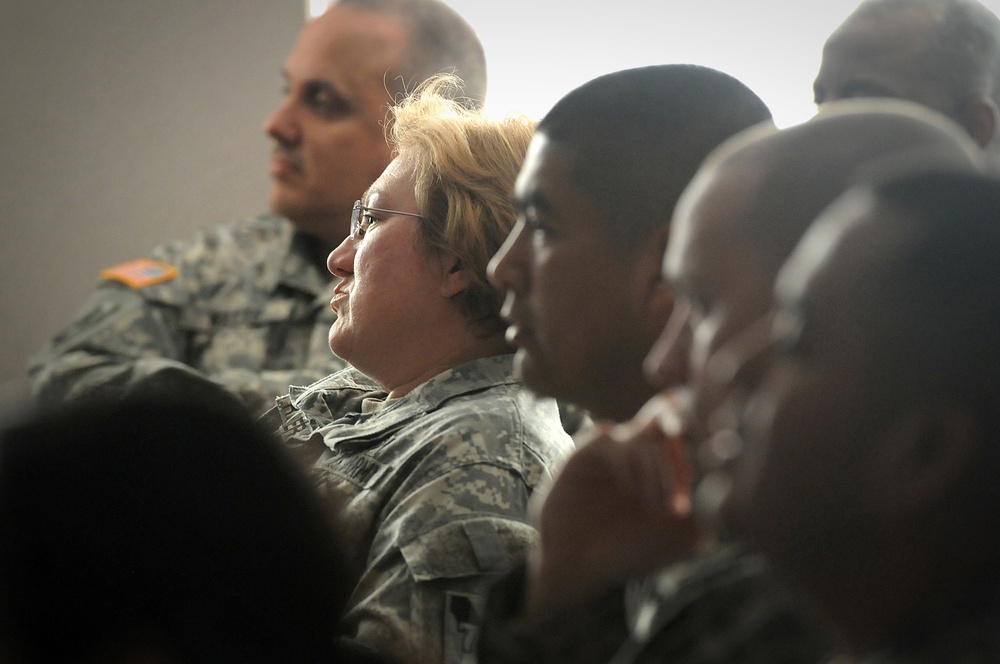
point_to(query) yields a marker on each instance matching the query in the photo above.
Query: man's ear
(455, 279)
(981, 119)
(929, 452)
(658, 297)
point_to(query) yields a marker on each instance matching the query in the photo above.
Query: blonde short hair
(464, 167)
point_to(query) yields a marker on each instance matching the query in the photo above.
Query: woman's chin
(338, 343)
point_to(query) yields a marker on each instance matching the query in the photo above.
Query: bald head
(440, 40)
(751, 202)
(801, 169)
(869, 465)
(944, 54)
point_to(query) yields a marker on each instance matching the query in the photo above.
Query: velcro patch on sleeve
(140, 273)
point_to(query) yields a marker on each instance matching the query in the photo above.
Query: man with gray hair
(944, 54)
(246, 305)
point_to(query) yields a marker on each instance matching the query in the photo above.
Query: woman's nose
(340, 262)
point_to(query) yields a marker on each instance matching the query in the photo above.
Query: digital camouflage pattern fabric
(247, 305)
(433, 491)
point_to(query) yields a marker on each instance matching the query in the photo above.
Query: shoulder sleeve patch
(473, 547)
(140, 273)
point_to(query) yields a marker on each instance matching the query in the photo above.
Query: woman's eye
(366, 221)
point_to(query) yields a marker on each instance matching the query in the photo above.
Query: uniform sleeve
(432, 561)
(121, 337)
(117, 338)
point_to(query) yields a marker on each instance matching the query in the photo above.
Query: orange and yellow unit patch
(140, 273)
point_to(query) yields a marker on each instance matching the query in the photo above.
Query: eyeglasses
(361, 220)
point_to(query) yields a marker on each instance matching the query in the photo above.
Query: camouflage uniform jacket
(248, 306)
(721, 607)
(433, 488)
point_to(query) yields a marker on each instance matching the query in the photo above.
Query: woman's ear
(455, 279)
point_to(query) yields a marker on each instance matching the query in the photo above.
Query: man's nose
(282, 125)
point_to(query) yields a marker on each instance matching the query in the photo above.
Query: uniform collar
(304, 265)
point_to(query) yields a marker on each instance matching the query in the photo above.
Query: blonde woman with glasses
(428, 441)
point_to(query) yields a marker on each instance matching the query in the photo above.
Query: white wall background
(773, 47)
(124, 124)
(540, 49)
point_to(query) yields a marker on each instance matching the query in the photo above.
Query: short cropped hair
(638, 136)
(441, 40)
(157, 518)
(966, 44)
(465, 164)
(803, 168)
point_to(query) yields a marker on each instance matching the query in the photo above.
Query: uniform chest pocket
(274, 336)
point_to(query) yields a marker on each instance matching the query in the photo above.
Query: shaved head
(944, 54)
(803, 168)
(751, 202)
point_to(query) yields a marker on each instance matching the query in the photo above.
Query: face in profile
(571, 299)
(389, 283)
(328, 136)
(720, 284)
(807, 478)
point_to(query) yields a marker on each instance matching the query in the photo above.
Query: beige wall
(123, 124)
